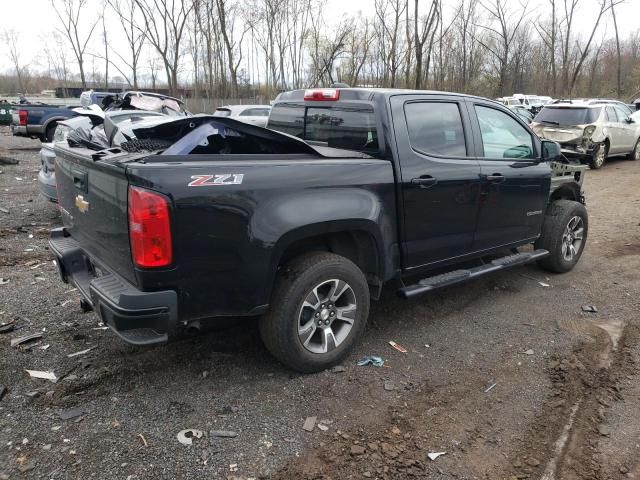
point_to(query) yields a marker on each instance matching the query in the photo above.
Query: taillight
(322, 95)
(149, 228)
(23, 115)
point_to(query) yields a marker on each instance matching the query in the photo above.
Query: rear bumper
(18, 130)
(139, 318)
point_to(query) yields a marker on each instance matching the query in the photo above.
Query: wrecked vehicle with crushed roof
(348, 190)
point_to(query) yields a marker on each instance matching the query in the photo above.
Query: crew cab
(348, 190)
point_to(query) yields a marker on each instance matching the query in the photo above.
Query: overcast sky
(33, 19)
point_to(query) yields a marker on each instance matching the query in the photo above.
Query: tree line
(241, 48)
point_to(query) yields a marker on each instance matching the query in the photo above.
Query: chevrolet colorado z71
(302, 223)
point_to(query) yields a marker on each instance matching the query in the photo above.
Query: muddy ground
(564, 402)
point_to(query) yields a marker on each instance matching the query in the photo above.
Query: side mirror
(550, 151)
(630, 120)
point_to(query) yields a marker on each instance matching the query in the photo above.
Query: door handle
(496, 178)
(424, 181)
(80, 180)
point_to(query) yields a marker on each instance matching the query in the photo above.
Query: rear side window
(436, 128)
(337, 127)
(502, 135)
(222, 112)
(255, 112)
(568, 116)
(622, 114)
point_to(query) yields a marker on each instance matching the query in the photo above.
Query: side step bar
(459, 276)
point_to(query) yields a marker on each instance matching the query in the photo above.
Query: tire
(50, 133)
(635, 153)
(562, 217)
(599, 156)
(290, 321)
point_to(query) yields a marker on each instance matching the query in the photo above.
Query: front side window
(255, 112)
(503, 136)
(436, 128)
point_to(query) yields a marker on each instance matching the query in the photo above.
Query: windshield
(337, 127)
(568, 115)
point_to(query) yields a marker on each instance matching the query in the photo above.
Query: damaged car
(590, 131)
(131, 107)
(304, 222)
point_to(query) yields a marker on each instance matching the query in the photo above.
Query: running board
(459, 276)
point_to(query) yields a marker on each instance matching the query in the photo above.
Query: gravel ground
(555, 368)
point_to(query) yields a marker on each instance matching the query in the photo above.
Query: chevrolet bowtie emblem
(82, 205)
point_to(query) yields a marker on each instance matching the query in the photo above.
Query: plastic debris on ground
(72, 413)
(4, 281)
(371, 360)
(81, 352)
(389, 386)
(186, 437)
(3, 390)
(398, 347)
(24, 339)
(223, 434)
(7, 327)
(529, 352)
(542, 284)
(309, 424)
(434, 455)
(490, 387)
(43, 375)
(589, 309)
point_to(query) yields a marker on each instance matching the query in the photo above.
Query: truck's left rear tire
(319, 309)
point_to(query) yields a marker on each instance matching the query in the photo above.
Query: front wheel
(599, 156)
(564, 235)
(319, 310)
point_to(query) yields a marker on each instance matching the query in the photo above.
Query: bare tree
(502, 36)
(429, 26)
(164, 22)
(69, 13)
(11, 39)
(127, 12)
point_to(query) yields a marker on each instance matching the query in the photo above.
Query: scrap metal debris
(4, 281)
(43, 375)
(8, 160)
(389, 386)
(4, 210)
(434, 455)
(144, 440)
(589, 308)
(529, 352)
(3, 390)
(400, 348)
(372, 359)
(186, 437)
(25, 338)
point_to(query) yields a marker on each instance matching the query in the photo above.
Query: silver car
(590, 130)
(253, 114)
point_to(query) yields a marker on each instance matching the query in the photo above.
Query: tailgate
(93, 202)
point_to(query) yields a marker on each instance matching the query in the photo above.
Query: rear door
(439, 177)
(515, 187)
(627, 130)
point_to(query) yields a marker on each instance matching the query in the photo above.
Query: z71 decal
(216, 180)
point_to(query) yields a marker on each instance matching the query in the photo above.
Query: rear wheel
(635, 154)
(564, 235)
(599, 156)
(319, 310)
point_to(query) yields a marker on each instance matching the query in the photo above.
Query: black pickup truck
(302, 223)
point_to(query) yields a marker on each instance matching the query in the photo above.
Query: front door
(440, 179)
(515, 186)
